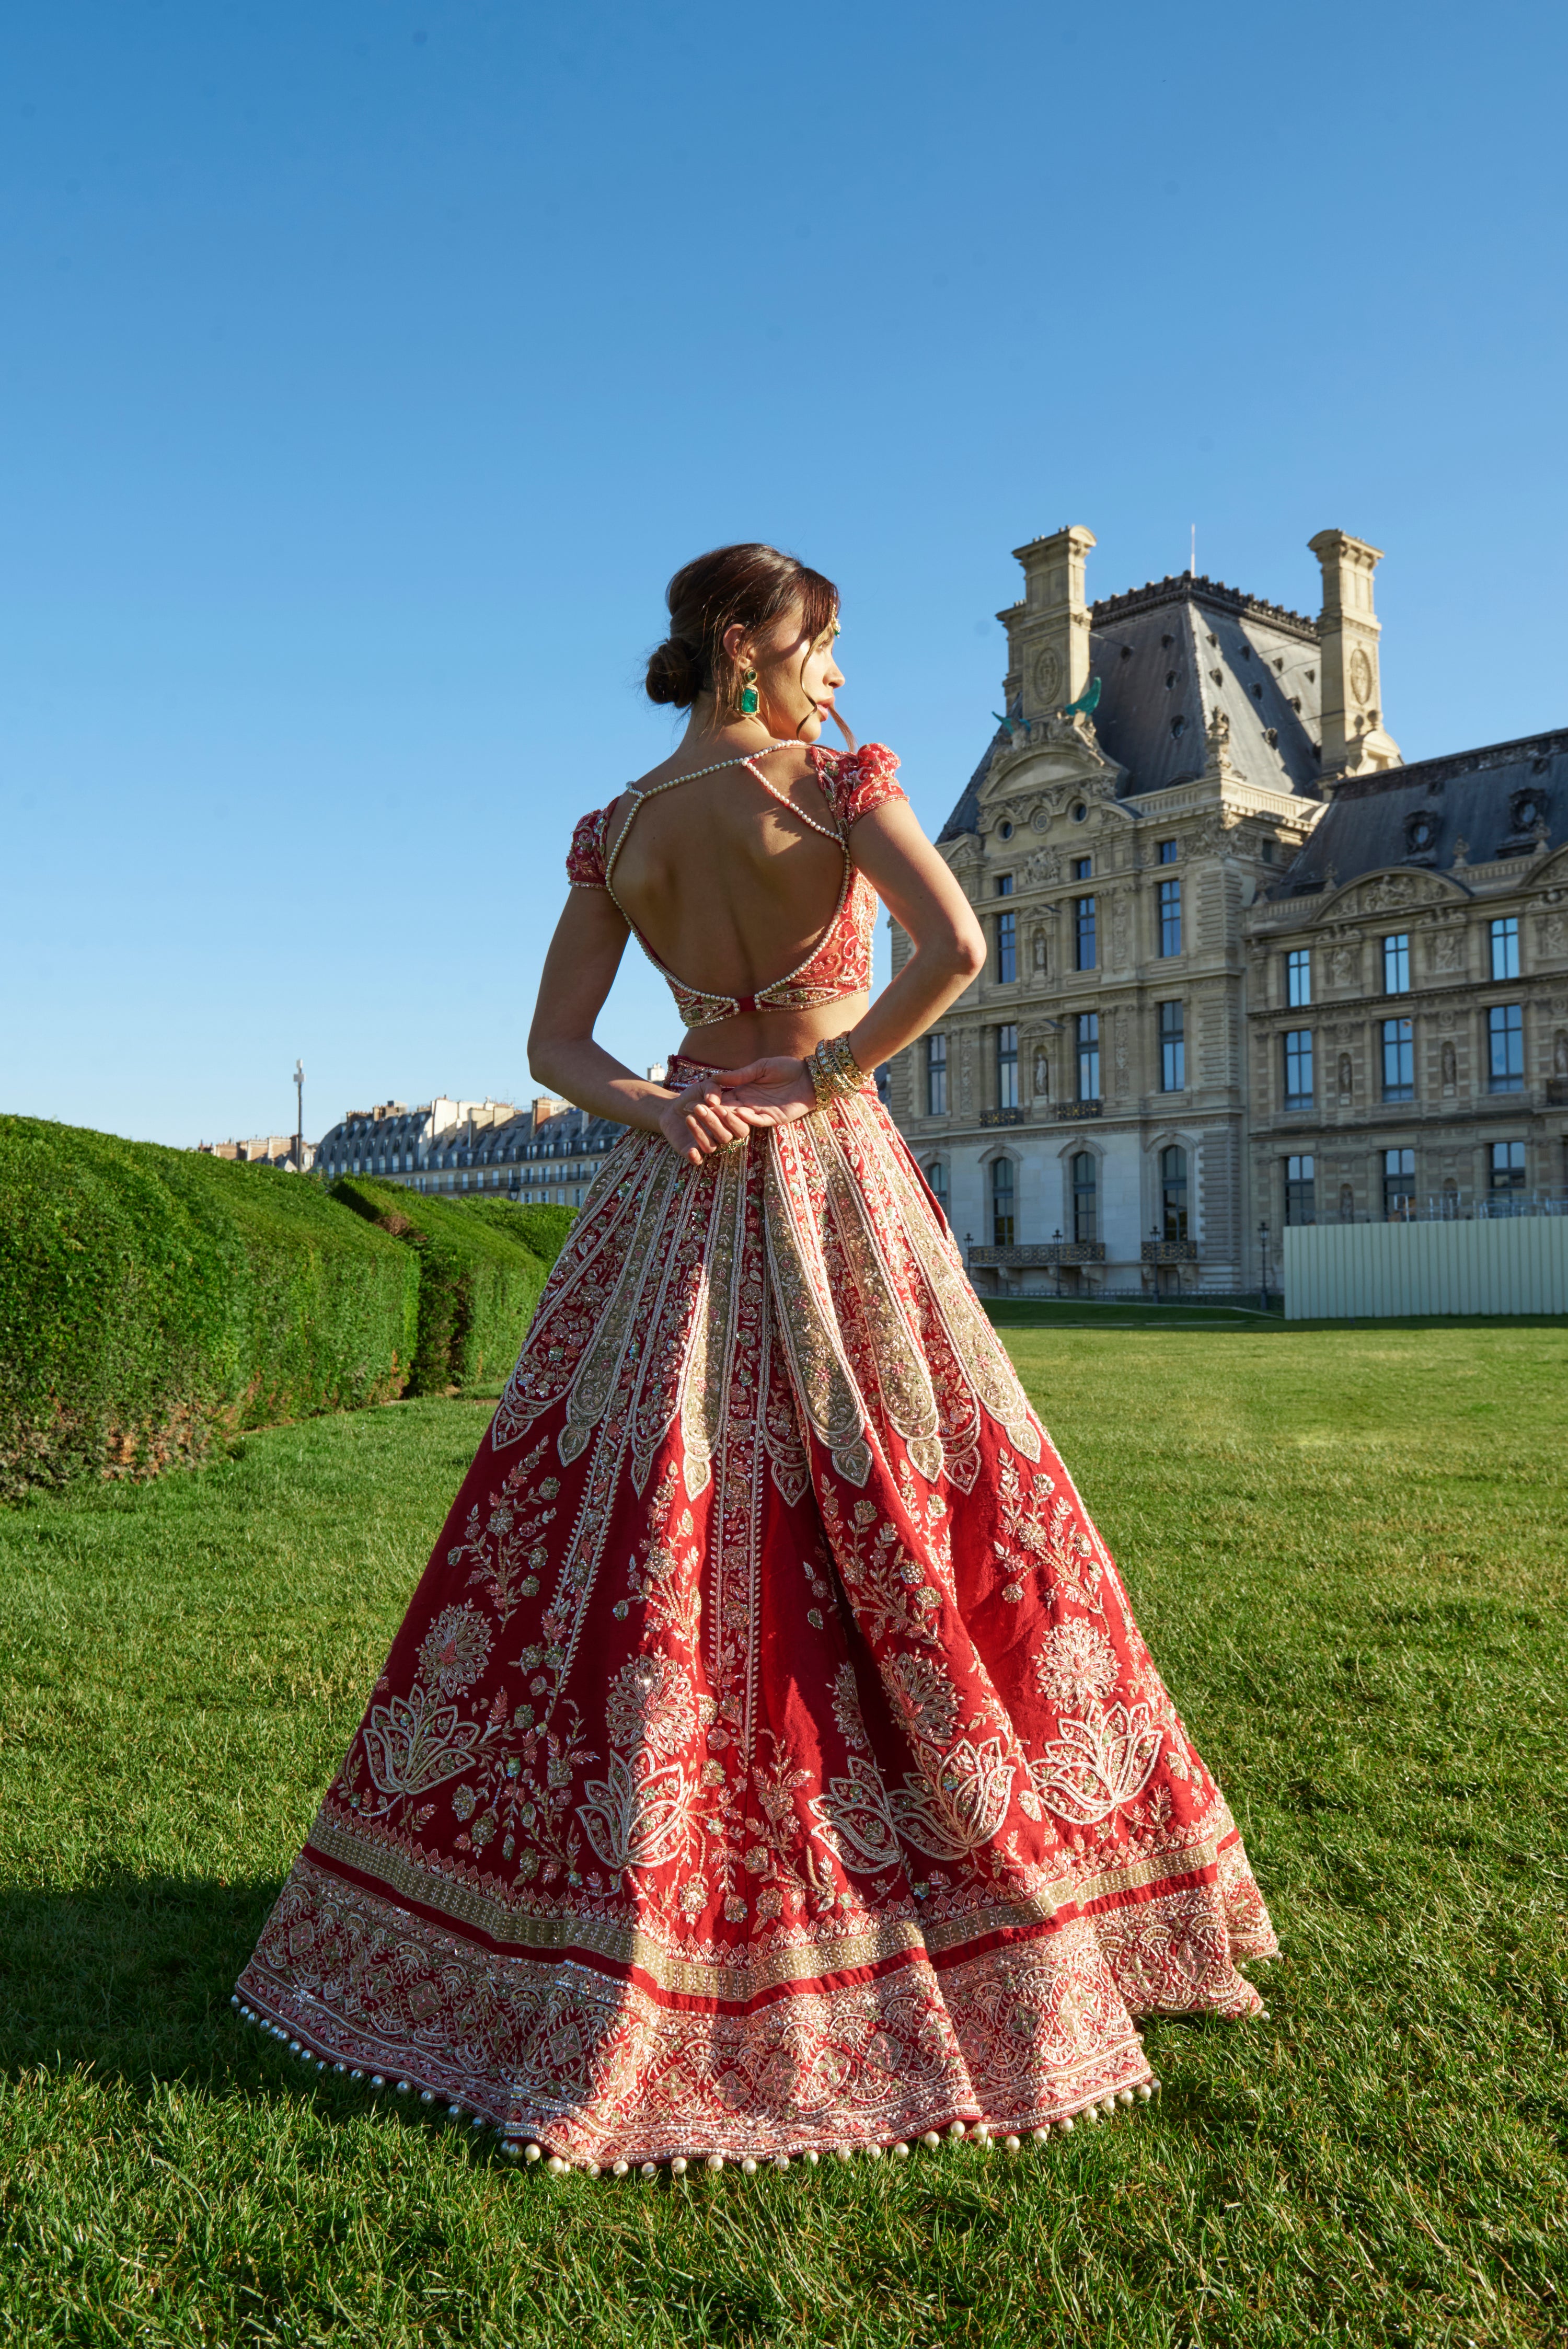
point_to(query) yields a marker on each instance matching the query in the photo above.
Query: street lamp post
(299, 1117)
(1263, 1243)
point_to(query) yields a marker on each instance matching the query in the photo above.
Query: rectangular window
(1398, 1185)
(1085, 1197)
(1505, 948)
(1398, 1060)
(1168, 852)
(1006, 1068)
(1169, 917)
(1172, 1048)
(1083, 933)
(1003, 885)
(1505, 1047)
(936, 1076)
(1300, 1191)
(1088, 1056)
(1396, 963)
(1083, 868)
(1298, 1068)
(1007, 946)
(1298, 977)
(1002, 1224)
(936, 1176)
(1173, 1193)
(1508, 1165)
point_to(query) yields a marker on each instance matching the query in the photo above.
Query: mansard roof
(1168, 656)
(1471, 807)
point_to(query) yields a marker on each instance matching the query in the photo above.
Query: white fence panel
(1387, 1270)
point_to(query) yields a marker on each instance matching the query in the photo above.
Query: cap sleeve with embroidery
(855, 781)
(585, 857)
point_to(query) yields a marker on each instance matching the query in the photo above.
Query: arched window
(1085, 1197)
(1173, 1193)
(1002, 1223)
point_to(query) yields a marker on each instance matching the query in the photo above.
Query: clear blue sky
(367, 367)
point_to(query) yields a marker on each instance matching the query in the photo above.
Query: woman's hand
(699, 1121)
(771, 1093)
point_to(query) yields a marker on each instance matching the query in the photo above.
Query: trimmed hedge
(539, 1228)
(478, 1284)
(151, 1299)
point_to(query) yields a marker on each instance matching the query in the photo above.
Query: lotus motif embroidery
(961, 1806)
(854, 1811)
(1098, 1763)
(411, 1745)
(636, 1821)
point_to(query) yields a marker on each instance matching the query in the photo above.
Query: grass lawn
(1347, 1550)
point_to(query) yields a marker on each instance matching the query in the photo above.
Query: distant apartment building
(548, 1153)
(261, 1149)
(1244, 966)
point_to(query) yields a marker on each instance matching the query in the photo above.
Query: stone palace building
(1246, 967)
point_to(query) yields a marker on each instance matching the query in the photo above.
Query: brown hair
(750, 586)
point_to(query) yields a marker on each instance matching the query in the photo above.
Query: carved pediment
(1050, 757)
(1393, 891)
(1552, 873)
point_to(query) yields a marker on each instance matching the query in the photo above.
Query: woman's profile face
(797, 677)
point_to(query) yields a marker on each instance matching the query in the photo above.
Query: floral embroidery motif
(1098, 1763)
(924, 1695)
(709, 1798)
(1078, 1665)
(636, 1817)
(651, 1703)
(1039, 1529)
(456, 1648)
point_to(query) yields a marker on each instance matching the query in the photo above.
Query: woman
(768, 1762)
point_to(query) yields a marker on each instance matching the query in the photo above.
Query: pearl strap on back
(740, 760)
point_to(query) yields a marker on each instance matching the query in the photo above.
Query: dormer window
(1421, 831)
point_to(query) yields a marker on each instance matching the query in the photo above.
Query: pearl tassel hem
(517, 2144)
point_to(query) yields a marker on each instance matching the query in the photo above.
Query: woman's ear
(732, 638)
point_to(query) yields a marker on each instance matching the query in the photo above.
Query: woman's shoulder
(585, 857)
(855, 781)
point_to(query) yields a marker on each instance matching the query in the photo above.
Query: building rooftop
(1170, 654)
(1470, 807)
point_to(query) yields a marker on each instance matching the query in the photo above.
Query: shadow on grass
(131, 1977)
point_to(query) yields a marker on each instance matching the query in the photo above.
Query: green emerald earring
(749, 705)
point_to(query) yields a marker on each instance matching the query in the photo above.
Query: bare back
(727, 887)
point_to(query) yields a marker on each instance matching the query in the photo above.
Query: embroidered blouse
(852, 782)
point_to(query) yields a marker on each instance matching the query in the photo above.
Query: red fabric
(585, 857)
(855, 781)
(768, 1758)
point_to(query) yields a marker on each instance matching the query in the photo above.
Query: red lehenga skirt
(768, 1760)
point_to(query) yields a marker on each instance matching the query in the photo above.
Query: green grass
(1347, 1551)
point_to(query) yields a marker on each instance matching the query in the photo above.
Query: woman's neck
(707, 739)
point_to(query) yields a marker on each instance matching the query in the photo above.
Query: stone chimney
(1047, 633)
(1354, 740)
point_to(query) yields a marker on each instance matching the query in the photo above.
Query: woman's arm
(579, 972)
(948, 945)
(948, 949)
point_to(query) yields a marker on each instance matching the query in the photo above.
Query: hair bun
(675, 673)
